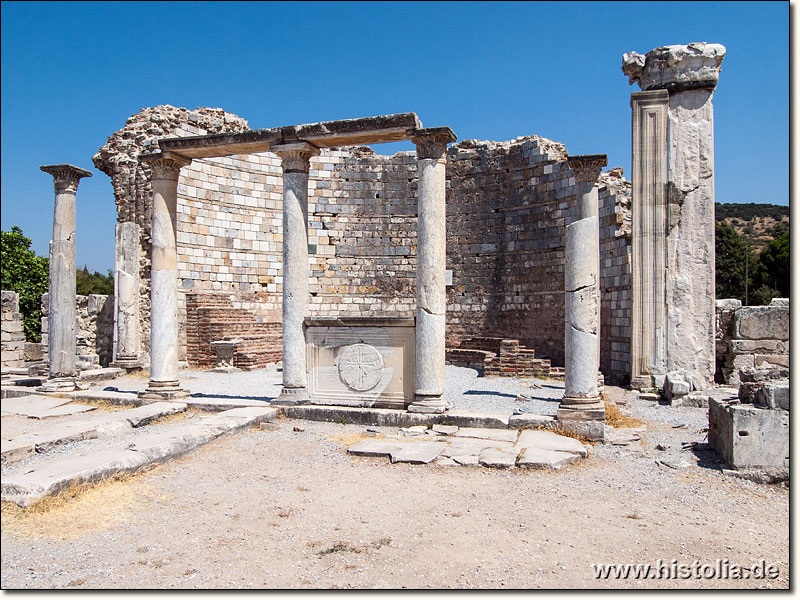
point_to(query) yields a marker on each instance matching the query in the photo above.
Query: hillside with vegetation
(752, 247)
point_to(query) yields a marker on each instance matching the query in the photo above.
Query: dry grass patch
(105, 405)
(565, 432)
(616, 418)
(350, 439)
(81, 509)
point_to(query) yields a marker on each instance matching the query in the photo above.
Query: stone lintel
(65, 175)
(587, 167)
(328, 134)
(359, 322)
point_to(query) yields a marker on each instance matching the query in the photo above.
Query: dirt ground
(290, 509)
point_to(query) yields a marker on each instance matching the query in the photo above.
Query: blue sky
(72, 73)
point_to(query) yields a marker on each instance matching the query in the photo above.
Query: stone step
(30, 484)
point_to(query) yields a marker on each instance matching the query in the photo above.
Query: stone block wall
(12, 331)
(94, 330)
(507, 206)
(750, 337)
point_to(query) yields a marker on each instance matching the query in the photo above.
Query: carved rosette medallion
(360, 367)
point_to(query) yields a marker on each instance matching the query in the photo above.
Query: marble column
(164, 384)
(673, 214)
(582, 409)
(62, 311)
(431, 255)
(296, 158)
(126, 297)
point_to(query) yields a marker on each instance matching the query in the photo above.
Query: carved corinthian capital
(675, 68)
(587, 167)
(432, 142)
(164, 165)
(296, 156)
(65, 177)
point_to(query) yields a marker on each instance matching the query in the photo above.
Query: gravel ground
(464, 389)
(290, 509)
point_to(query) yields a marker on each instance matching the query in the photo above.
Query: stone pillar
(431, 255)
(673, 213)
(164, 383)
(62, 312)
(582, 409)
(296, 157)
(126, 297)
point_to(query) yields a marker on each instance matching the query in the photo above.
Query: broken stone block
(540, 458)
(547, 440)
(497, 459)
(676, 386)
(749, 437)
(417, 453)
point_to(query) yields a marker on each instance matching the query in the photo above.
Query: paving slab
(470, 460)
(547, 440)
(374, 448)
(102, 374)
(497, 459)
(539, 458)
(142, 415)
(62, 411)
(472, 446)
(445, 429)
(443, 461)
(32, 404)
(417, 453)
(500, 435)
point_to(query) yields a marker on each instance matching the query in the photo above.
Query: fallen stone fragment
(445, 429)
(674, 463)
(268, 426)
(298, 429)
(443, 461)
(468, 460)
(417, 453)
(472, 446)
(539, 458)
(547, 440)
(415, 430)
(142, 415)
(662, 447)
(500, 435)
(497, 459)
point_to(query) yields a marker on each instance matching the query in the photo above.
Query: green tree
(731, 262)
(773, 271)
(22, 271)
(94, 283)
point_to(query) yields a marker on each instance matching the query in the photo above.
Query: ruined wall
(94, 330)
(507, 205)
(12, 331)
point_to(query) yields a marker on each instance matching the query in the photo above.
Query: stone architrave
(582, 409)
(164, 383)
(673, 213)
(296, 158)
(431, 279)
(62, 338)
(126, 297)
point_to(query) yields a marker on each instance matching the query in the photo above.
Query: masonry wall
(94, 330)
(12, 331)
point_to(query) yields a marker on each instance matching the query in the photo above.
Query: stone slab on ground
(31, 404)
(445, 429)
(373, 448)
(62, 411)
(417, 453)
(500, 435)
(547, 440)
(218, 404)
(26, 486)
(540, 458)
(497, 459)
(472, 446)
(142, 415)
(103, 374)
(470, 460)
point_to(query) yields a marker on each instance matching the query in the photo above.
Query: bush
(27, 274)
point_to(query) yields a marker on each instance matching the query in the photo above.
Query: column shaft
(431, 261)
(296, 157)
(126, 296)
(164, 383)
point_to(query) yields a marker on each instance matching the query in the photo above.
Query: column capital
(587, 167)
(165, 165)
(66, 177)
(295, 155)
(675, 68)
(432, 142)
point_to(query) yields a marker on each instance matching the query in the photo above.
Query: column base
(587, 419)
(292, 397)
(641, 382)
(129, 363)
(225, 370)
(61, 384)
(163, 390)
(428, 404)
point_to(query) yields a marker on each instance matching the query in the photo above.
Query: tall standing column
(582, 409)
(673, 213)
(431, 256)
(62, 316)
(164, 384)
(296, 158)
(126, 297)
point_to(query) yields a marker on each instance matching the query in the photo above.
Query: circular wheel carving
(360, 367)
